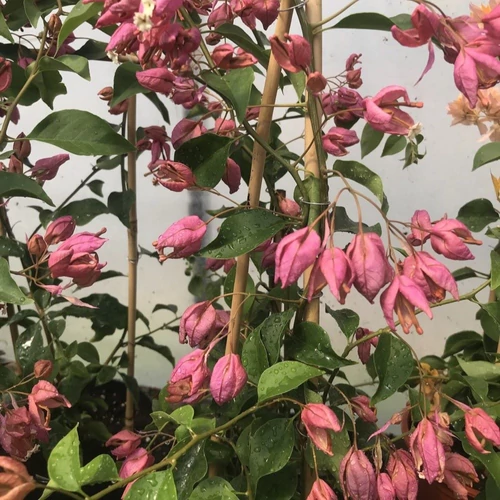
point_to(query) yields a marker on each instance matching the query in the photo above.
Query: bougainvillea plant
(261, 407)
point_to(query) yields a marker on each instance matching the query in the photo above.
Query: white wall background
(441, 183)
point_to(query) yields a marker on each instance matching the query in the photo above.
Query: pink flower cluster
(74, 258)
(22, 427)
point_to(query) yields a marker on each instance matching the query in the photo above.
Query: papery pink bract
(219, 16)
(357, 476)
(60, 230)
(18, 433)
(459, 473)
(225, 57)
(37, 246)
(319, 420)
(316, 82)
(385, 488)
(138, 460)
(403, 475)
(337, 270)
(449, 238)
(369, 264)
(159, 80)
(266, 11)
(5, 74)
(336, 141)
(197, 323)
(173, 175)
(364, 348)
(425, 24)
(293, 53)
(294, 254)
(125, 441)
(420, 228)
(15, 481)
(186, 130)
(269, 256)
(47, 168)
(402, 297)
(321, 491)
(361, 406)
(228, 378)
(232, 176)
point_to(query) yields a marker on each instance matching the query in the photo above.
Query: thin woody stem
(256, 176)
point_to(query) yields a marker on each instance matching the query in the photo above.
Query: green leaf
(279, 486)
(229, 287)
(32, 12)
(80, 133)
(109, 163)
(154, 486)
(101, 469)
(357, 172)
(150, 343)
(459, 341)
(82, 211)
(19, 185)
(125, 83)
(311, 344)
(270, 448)
(88, 352)
(298, 81)
(495, 269)
(4, 29)
(191, 468)
(72, 63)
(29, 347)
(106, 374)
(10, 293)
(49, 85)
(235, 86)
(272, 330)
(394, 364)
(206, 156)
(283, 377)
(19, 79)
(96, 187)
(347, 320)
(480, 369)
(254, 356)
(11, 248)
(169, 307)
(78, 15)
(64, 462)
(345, 224)
(242, 233)
(370, 139)
(214, 488)
(464, 273)
(120, 203)
(477, 214)
(132, 386)
(394, 145)
(241, 39)
(486, 154)
(372, 21)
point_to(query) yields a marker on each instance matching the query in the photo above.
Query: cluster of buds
(23, 427)
(74, 258)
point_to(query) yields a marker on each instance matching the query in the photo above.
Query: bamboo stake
(257, 173)
(132, 258)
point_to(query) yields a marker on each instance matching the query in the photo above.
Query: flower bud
(54, 24)
(43, 368)
(361, 406)
(357, 476)
(365, 347)
(15, 165)
(232, 176)
(5, 74)
(316, 82)
(353, 78)
(321, 491)
(15, 481)
(125, 441)
(60, 230)
(22, 148)
(213, 38)
(293, 54)
(385, 489)
(228, 379)
(219, 16)
(106, 94)
(46, 168)
(197, 324)
(37, 245)
(319, 420)
(286, 205)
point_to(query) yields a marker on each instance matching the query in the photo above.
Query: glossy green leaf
(125, 83)
(370, 139)
(96, 187)
(311, 344)
(357, 172)
(373, 21)
(206, 156)
(394, 145)
(495, 269)
(109, 163)
(29, 347)
(106, 374)
(214, 488)
(10, 293)
(190, 469)
(64, 462)
(88, 352)
(241, 39)
(12, 184)
(120, 203)
(480, 369)
(79, 14)
(154, 486)
(82, 211)
(242, 233)
(279, 486)
(70, 62)
(49, 85)
(169, 307)
(132, 386)
(486, 154)
(235, 86)
(229, 287)
(477, 214)
(344, 224)
(298, 81)
(30, 95)
(283, 377)
(80, 133)
(459, 341)
(4, 29)
(272, 330)
(101, 469)
(347, 320)
(270, 448)
(254, 356)
(394, 364)
(32, 12)
(464, 273)
(150, 343)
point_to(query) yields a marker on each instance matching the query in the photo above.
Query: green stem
(333, 16)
